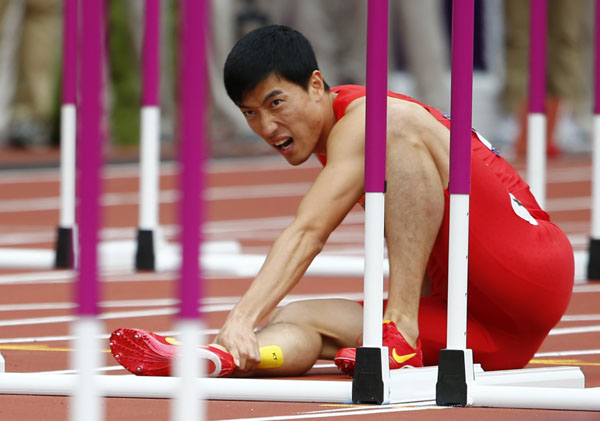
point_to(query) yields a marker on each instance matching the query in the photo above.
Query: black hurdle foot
(144, 257)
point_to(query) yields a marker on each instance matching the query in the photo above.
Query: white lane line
(580, 318)
(63, 338)
(347, 412)
(587, 287)
(161, 302)
(99, 369)
(576, 172)
(226, 305)
(264, 191)
(574, 330)
(106, 316)
(567, 353)
(131, 170)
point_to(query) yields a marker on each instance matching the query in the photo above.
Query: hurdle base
(144, 256)
(593, 266)
(64, 248)
(455, 373)
(371, 371)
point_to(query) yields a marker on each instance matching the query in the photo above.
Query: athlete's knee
(295, 312)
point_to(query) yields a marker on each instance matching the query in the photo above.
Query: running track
(248, 201)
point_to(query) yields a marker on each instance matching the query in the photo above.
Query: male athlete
(520, 264)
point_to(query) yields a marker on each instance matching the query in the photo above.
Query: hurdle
(87, 327)
(536, 118)
(593, 266)
(457, 383)
(64, 252)
(149, 251)
(404, 385)
(149, 138)
(193, 36)
(372, 358)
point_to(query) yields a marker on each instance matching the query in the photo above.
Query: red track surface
(248, 201)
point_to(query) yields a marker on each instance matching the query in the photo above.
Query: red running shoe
(148, 354)
(401, 353)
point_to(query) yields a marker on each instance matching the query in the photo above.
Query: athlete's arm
(333, 194)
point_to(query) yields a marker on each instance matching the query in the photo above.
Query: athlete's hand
(240, 341)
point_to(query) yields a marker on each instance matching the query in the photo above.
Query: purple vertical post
(537, 55)
(151, 53)
(376, 101)
(192, 93)
(69, 68)
(90, 146)
(462, 97)
(597, 60)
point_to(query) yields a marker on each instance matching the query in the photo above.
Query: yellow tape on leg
(270, 357)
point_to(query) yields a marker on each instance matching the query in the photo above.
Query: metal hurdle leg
(194, 28)
(147, 236)
(536, 120)
(371, 373)
(593, 267)
(86, 403)
(65, 244)
(456, 362)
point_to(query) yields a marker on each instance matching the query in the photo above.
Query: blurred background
(419, 66)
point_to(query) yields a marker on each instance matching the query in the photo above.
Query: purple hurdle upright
(371, 373)
(87, 327)
(147, 236)
(192, 91)
(536, 118)
(456, 361)
(593, 267)
(64, 257)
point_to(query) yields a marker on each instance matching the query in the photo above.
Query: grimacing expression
(286, 116)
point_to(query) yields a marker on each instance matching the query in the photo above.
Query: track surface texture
(249, 202)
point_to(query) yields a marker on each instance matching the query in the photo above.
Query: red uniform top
(521, 265)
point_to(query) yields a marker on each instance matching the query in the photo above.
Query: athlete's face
(287, 117)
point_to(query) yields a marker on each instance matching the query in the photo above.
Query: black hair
(273, 49)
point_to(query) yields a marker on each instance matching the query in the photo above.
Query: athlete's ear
(316, 85)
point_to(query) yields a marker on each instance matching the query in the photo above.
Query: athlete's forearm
(285, 264)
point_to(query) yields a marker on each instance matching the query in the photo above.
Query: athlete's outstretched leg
(309, 330)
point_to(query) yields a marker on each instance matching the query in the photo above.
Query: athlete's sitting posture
(520, 264)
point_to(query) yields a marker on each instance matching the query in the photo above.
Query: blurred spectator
(29, 51)
(420, 28)
(565, 65)
(230, 135)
